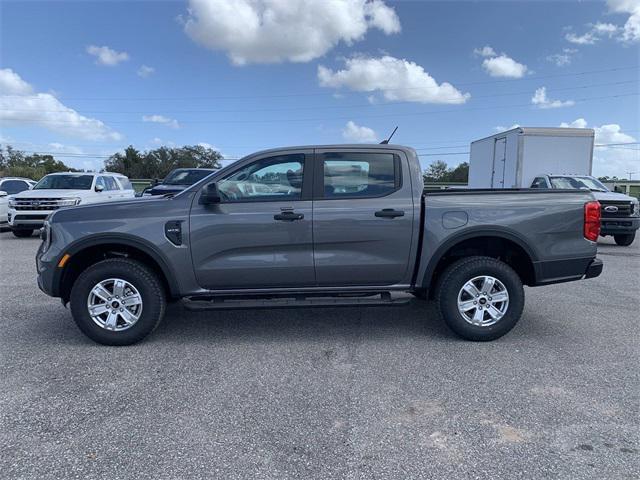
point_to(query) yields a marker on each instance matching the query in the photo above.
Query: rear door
(260, 235)
(362, 217)
(499, 163)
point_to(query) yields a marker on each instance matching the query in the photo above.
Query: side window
(101, 183)
(539, 182)
(271, 178)
(111, 183)
(360, 174)
(14, 186)
(125, 183)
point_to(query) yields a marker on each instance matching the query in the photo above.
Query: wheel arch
(498, 243)
(88, 251)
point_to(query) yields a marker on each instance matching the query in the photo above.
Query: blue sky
(85, 79)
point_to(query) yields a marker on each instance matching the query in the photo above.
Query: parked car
(10, 186)
(177, 181)
(29, 209)
(317, 226)
(620, 214)
(552, 158)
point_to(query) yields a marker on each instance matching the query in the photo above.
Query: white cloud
(605, 29)
(170, 122)
(586, 39)
(273, 31)
(397, 80)
(500, 128)
(145, 71)
(540, 100)
(504, 66)
(57, 146)
(564, 58)
(358, 134)
(107, 56)
(21, 105)
(485, 51)
(610, 160)
(630, 32)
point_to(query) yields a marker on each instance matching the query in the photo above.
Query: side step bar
(209, 302)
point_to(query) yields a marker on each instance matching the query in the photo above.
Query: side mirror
(210, 195)
(99, 188)
(3, 193)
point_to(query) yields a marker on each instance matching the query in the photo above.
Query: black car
(178, 180)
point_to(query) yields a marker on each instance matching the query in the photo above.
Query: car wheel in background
(117, 301)
(22, 233)
(625, 240)
(480, 298)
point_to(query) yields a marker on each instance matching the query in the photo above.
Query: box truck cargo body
(512, 159)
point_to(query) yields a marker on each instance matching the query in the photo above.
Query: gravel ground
(325, 393)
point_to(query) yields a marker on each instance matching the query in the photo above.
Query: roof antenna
(385, 142)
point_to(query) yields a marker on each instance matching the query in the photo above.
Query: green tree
(157, 163)
(436, 172)
(16, 163)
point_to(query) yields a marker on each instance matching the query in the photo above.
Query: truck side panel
(548, 226)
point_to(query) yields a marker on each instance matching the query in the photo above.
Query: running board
(209, 302)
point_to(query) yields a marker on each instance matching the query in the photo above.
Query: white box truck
(512, 159)
(551, 158)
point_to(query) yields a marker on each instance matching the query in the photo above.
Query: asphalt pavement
(324, 393)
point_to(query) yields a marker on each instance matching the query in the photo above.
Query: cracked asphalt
(325, 393)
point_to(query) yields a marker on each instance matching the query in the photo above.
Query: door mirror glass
(210, 194)
(99, 188)
(3, 193)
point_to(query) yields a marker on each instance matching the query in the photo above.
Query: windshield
(578, 182)
(186, 177)
(65, 182)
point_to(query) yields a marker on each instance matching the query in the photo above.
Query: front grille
(30, 217)
(615, 209)
(36, 203)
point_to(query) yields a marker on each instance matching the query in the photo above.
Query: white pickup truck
(29, 209)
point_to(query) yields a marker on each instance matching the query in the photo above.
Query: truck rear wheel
(480, 298)
(625, 240)
(22, 233)
(117, 301)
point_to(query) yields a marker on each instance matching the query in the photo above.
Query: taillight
(592, 220)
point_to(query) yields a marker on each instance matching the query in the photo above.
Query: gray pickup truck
(316, 226)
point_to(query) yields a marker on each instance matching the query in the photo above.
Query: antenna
(385, 142)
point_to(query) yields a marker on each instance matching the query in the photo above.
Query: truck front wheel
(625, 240)
(117, 301)
(480, 298)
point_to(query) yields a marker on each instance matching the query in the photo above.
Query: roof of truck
(356, 146)
(544, 131)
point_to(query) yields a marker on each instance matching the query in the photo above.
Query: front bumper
(619, 226)
(26, 221)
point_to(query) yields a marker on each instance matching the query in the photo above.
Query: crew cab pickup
(316, 226)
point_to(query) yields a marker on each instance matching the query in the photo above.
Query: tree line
(133, 163)
(439, 171)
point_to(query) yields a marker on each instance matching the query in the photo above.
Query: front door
(362, 218)
(260, 234)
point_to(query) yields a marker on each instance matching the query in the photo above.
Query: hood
(613, 196)
(51, 193)
(163, 189)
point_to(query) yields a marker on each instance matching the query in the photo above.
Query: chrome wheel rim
(483, 301)
(114, 304)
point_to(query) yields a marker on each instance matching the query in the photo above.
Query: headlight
(69, 202)
(12, 202)
(636, 210)
(45, 235)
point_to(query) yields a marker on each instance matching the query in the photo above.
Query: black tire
(625, 240)
(138, 275)
(22, 233)
(455, 277)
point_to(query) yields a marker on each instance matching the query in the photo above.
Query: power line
(323, 107)
(349, 117)
(285, 95)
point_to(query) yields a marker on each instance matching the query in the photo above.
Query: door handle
(288, 216)
(389, 213)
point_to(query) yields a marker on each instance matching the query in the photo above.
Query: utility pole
(631, 173)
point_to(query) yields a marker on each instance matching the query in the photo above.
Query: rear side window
(539, 182)
(360, 175)
(111, 183)
(14, 186)
(125, 183)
